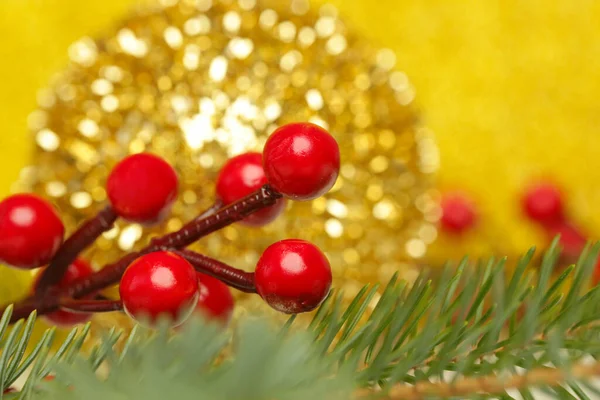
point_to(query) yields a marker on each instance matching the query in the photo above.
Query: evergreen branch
(191, 365)
(482, 331)
(464, 335)
(13, 346)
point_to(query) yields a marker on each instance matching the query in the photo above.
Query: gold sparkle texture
(199, 81)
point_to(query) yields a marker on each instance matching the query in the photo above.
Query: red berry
(301, 161)
(30, 231)
(572, 240)
(596, 274)
(241, 176)
(293, 276)
(543, 203)
(142, 188)
(458, 213)
(50, 378)
(157, 284)
(79, 269)
(215, 301)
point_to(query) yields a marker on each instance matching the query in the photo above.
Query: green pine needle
(465, 335)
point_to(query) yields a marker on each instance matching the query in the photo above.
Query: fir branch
(468, 334)
(14, 360)
(191, 365)
(420, 334)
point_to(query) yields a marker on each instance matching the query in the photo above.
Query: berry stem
(211, 220)
(91, 306)
(205, 224)
(217, 205)
(202, 226)
(236, 278)
(81, 239)
(26, 306)
(107, 276)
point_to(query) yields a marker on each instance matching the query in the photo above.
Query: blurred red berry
(78, 269)
(458, 213)
(543, 203)
(215, 301)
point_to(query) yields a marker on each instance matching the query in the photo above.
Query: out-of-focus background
(509, 89)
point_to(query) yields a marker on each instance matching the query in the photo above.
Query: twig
(91, 306)
(191, 232)
(236, 278)
(81, 239)
(490, 384)
(208, 222)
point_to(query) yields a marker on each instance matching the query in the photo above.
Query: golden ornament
(198, 82)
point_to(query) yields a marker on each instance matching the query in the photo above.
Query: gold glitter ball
(200, 81)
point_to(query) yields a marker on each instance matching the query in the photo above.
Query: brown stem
(206, 223)
(81, 239)
(107, 276)
(217, 205)
(191, 232)
(236, 278)
(101, 297)
(91, 306)
(490, 384)
(28, 305)
(200, 227)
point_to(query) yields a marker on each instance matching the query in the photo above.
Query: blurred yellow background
(509, 88)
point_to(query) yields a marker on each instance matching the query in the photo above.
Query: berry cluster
(299, 162)
(543, 204)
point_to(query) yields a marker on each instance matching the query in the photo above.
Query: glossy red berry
(215, 301)
(293, 276)
(79, 269)
(142, 187)
(458, 213)
(302, 161)
(241, 176)
(30, 231)
(543, 203)
(159, 284)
